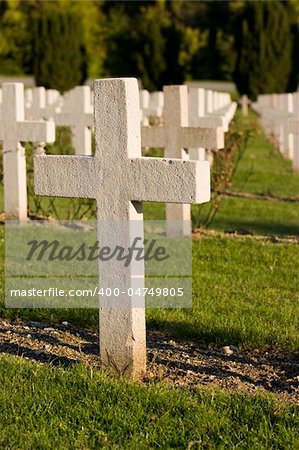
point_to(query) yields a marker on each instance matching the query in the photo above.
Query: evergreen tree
(59, 52)
(150, 44)
(263, 43)
(294, 20)
(15, 38)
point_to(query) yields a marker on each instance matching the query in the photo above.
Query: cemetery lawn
(51, 408)
(245, 293)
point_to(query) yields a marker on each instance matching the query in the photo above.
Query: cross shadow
(256, 227)
(89, 348)
(210, 362)
(37, 355)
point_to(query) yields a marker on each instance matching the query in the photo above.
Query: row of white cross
(280, 118)
(209, 102)
(120, 179)
(206, 131)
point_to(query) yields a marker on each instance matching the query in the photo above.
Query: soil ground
(181, 363)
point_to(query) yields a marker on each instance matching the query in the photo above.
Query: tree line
(63, 42)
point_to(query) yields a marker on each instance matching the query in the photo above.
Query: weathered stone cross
(36, 108)
(293, 128)
(198, 118)
(119, 178)
(14, 129)
(77, 114)
(175, 136)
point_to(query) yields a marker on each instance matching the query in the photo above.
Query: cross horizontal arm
(65, 119)
(210, 121)
(153, 136)
(36, 131)
(209, 138)
(169, 180)
(65, 176)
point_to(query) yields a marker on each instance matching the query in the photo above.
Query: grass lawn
(245, 292)
(47, 408)
(264, 170)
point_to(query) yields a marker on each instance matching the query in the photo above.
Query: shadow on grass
(37, 355)
(261, 228)
(36, 341)
(215, 337)
(272, 371)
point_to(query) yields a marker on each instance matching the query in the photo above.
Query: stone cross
(175, 136)
(36, 104)
(283, 114)
(151, 105)
(276, 111)
(119, 178)
(156, 104)
(293, 128)
(245, 103)
(14, 129)
(77, 114)
(198, 117)
(53, 98)
(209, 101)
(41, 103)
(144, 105)
(196, 106)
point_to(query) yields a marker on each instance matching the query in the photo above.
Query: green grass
(258, 217)
(264, 170)
(47, 408)
(237, 285)
(245, 293)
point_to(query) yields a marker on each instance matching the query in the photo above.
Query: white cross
(53, 97)
(198, 118)
(77, 114)
(293, 128)
(245, 103)
(36, 104)
(14, 129)
(144, 105)
(284, 111)
(175, 136)
(119, 178)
